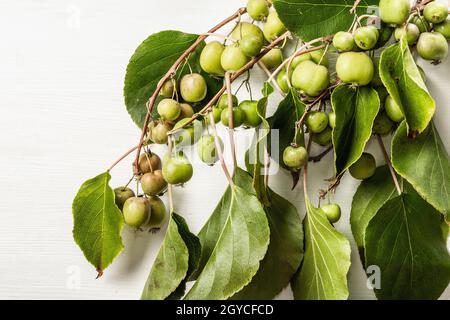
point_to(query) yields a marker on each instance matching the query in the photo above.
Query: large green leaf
(176, 260)
(425, 164)
(371, 195)
(355, 111)
(404, 239)
(323, 273)
(194, 248)
(240, 247)
(97, 222)
(151, 61)
(402, 78)
(310, 19)
(284, 254)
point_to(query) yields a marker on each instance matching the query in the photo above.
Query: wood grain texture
(63, 121)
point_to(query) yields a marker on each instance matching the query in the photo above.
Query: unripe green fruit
(210, 58)
(169, 109)
(206, 149)
(344, 41)
(258, 9)
(177, 169)
(149, 162)
(366, 38)
(382, 93)
(393, 110)
(168, 89)
(251, 45)
(188, 135)
(394, 11)
(324, 138)
(295, 158)
(432, 46)
(355, 68)
(193, 87)
(320, 57)
(443, 28)
(311, 78)
(233, 58)
(435, 12)
(223, 101)
(186, 111)
(159, 133)
(421, 23)
(299, 59)
(382, 124)
(238, 117)
(282, 80)
(273, 27)
(122, 194)
(316, 121)
(332, 211)
(411, 32)
(245, 29)
(272, 59)
(153, 183)
(332, 120)
(157, 213)
(217, 113)
(251, 117)
(136, 212)
(364, 168)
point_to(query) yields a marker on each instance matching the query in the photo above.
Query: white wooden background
(63, 120)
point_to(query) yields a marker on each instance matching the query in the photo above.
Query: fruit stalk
(389, 164)
(171, 72)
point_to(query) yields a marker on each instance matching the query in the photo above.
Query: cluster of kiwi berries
(309, 73)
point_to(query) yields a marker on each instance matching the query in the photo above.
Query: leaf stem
(126, 154)
(219, 149)
(171, 72)
(169, 186)
(230, 120)
(389, 164)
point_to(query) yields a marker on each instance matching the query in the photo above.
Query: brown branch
(172, 71)
(355, 6)
(230, 120)
(126, 154)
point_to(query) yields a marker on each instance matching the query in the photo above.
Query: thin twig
(355, 6)
(389, 164)
(219, 149)
(270, 78)
(126, 154)
(230, 120)
(171, 72)
(169, 186)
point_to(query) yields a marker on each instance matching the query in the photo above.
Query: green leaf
(371, 195)
(402, 78)
(425, 164)
(194, 248)
(289, 111)
(284, 254)
(310, 19)
(97, 222)
(405, 241)
(151, 61)
(211, 231)
(240, 247)
(355, 111)
(172, 263)
(323, 273)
